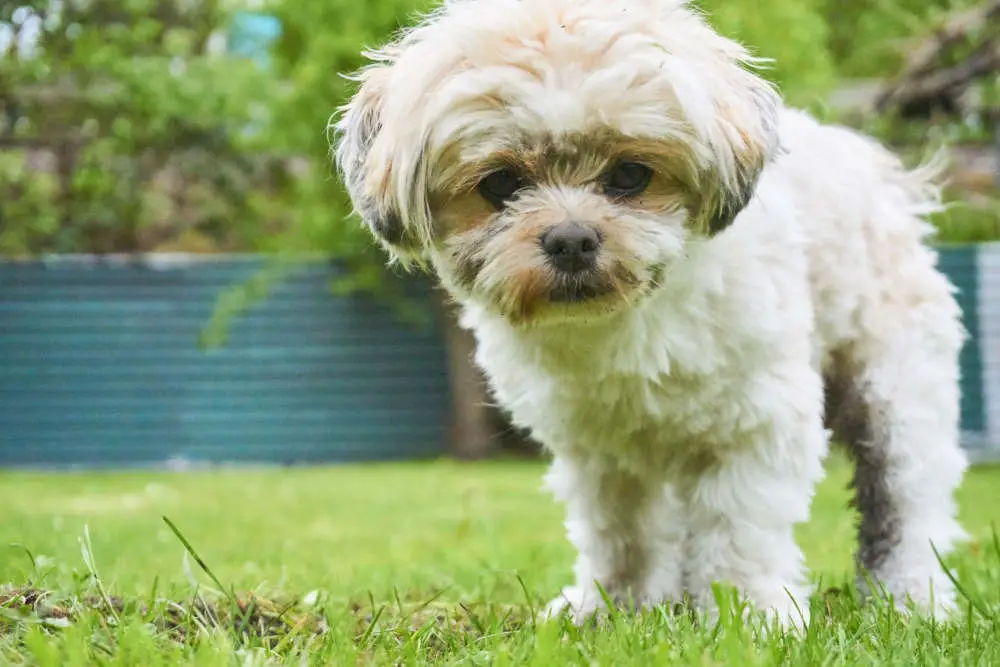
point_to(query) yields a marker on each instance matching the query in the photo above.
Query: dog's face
(551, 158)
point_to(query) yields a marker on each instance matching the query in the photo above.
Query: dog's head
(551, 158)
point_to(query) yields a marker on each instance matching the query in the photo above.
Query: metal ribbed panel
(960, 265)
(988, 344)
(101, 367)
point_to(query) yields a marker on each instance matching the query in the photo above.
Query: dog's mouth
(580, 289)
(589, 286)
(553, 297)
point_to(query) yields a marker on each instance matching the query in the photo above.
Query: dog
(680, 285)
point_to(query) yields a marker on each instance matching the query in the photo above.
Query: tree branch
(930, 78)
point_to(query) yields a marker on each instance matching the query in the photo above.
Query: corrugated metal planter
(975, 270)
(101, 367)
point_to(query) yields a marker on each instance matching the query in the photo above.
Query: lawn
(400, 564)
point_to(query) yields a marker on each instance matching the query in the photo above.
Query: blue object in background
(975, 271)
(251, 35)
(100, 367)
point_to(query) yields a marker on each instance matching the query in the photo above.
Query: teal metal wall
(99, 366)
(975, 270)
(960, 264)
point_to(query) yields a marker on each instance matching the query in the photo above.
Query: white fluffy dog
(673, 279)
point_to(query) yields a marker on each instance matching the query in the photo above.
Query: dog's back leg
(897, 413)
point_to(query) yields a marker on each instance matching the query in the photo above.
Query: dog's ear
(743, 140)
(367, 173)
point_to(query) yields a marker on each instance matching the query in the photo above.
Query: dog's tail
(927, 182)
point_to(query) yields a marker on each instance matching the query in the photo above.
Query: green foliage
(320, 43)
(29, 211)
(966, 222)
(871, 38)
(792, 34)
(135, 132)
(123, 133)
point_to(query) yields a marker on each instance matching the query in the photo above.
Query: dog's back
(864, 217)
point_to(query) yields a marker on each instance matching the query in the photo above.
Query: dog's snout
(571, 247)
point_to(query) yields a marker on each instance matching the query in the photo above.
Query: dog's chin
(580, 311)
(571, 301)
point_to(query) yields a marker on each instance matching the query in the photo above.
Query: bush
(321, 42)
(871, 39)
(120, 133)
(792, 33)
(166, 112)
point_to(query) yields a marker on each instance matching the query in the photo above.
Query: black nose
(571, 247)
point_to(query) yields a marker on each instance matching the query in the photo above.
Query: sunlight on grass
(478, 537)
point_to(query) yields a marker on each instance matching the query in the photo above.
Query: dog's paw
(588, 604)
(786, 617)
(761, 616)
(932, 595)
(578, 604)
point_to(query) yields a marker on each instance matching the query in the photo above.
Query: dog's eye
(627, 179)
(500, 187)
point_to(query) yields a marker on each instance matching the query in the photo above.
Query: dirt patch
(250, 617)
(27, 602)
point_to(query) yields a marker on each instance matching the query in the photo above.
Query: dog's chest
(658, 393)
(660, 423)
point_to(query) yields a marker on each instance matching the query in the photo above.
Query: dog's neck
(585, 348)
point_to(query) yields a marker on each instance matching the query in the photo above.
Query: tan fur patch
(528, 292)
(462, 213)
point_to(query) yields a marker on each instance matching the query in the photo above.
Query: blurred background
(181, 284)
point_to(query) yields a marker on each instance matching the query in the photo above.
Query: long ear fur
(752, 134)
(743, 140)
(354, 134)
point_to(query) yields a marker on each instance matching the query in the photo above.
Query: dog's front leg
(614, 519)
(742, 517)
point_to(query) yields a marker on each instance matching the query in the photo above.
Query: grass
(437, 563)
(967, 222)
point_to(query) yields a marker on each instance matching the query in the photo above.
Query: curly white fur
(688, 415)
